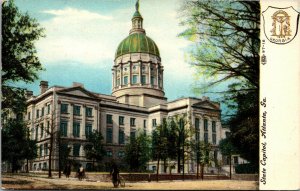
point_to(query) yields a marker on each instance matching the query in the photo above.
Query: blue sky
(82, 37)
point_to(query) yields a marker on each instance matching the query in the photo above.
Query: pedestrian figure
(80, 172)
(67, 170)
(115, 175)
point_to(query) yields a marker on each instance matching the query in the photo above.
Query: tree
(94, 148)
(137, 152)
(202, 153)
(181, 129)
(160, 144)
(226, 51)
(15, 144)
(19, 59)
(227, 149)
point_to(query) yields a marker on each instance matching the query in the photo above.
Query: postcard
(150, 94)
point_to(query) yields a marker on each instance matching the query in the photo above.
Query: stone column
(141, 72)
(121, 75)
(82, 129)
(70, 124)
(130, 73)
(149, 75)
(157, 75)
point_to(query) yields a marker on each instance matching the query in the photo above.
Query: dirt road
(39, 183)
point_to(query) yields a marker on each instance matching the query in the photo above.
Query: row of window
(76, 129)
(109, 135)
(40, 128)
(134, 80)
(40, 112)
(109, 121)
(76, 110)
(197, 125)
(121, 154)
(43, 150)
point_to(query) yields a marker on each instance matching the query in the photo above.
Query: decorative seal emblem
(280, 24)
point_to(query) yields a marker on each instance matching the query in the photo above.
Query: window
(76, 110)
(88, 129)
(36, 132)
(48, 108)
(213, 124)
(235, 160)
(46, 149)
(132, 135)
(76, 149)
(41, 150)
(64, 108)
(48, 127)
(152, 80)
(121, 154)
(109, 153)
(143, 79)
(109, 135)
(197, 136)
(121, 136)
(125, 80)
(134, 79)
(145, 123)
(42, 129)
(132, 122)
(215, 155)
(197, 124)
(121, 120)
(109, 119)
(153, 122)
(32, 133)
(37, 113)
(88, 112)
(214, 138)
(205, 125)
(76, 129)
(28, 115)
(43, 111)
(63, 128)
(206, 137)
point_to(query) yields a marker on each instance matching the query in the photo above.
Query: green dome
(137, 43)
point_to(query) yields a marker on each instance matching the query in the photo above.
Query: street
(20, 181)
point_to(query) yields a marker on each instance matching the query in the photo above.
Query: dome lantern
(137, 20)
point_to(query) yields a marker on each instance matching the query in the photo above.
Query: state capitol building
(137, 103)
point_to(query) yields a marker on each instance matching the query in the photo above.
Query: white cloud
(77, 14)
(90, 37)
(79, 36)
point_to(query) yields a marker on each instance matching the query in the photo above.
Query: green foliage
(244, 127)
(160, 142)
(226, 147)
(202, 152)
(94, 148)
(226, 37)
(16, 146)
(19, 33)
(64, 152)
(19, 59)
(138, 152)
(226, 47)
(246, 169)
